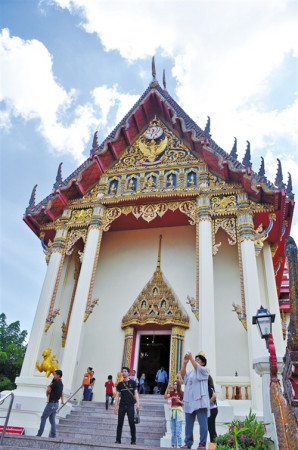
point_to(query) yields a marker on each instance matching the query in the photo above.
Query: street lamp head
(264, 320)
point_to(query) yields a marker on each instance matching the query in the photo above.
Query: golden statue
(113, 189)
(131, 185)
(153, 146)
(191, 181)
(171, 180)
(49, 363)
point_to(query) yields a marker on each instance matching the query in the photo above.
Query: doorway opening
(154, 352)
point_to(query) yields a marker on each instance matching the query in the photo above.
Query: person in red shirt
(174, 394)
(109, 391)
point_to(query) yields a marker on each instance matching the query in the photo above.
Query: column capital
(59, 241)
(97, 216)
(203, 208)
(203, 176)
(245, 227)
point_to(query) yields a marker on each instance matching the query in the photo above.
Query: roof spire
(164, 80)
(207, 128)
(58, 177)
(233, 152)
(289, 187)
(32, 200)
(246, 160)
(279, 178)
(94, 144)
(159, 253)
(153, 69)
(261, 172)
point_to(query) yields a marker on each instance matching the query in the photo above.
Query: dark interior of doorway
(154, 353)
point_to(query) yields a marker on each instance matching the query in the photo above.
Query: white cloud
(29, 89)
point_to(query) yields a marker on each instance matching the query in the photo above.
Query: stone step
(155, 427)
(40, 443)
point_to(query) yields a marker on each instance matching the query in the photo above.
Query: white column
(252, 296)
(262, 367)
(74, 333)
(273, 303)
(32, 352)
(206, 285)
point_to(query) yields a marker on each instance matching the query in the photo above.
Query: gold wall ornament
(74, 236)
(261, 235)
(89, 308)
(240, 314)
(222, 205)
(177, 341)
(80, 217)
(49, 363)
(50, 319)
(156, 304)
(152, 147)
(149, 212)
(193, 304)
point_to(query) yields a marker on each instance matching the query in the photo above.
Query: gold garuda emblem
(153, 142)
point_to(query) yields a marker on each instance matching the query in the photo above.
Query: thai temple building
(161, 242)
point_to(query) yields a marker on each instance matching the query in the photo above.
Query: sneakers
(117, 442)
(133, 443)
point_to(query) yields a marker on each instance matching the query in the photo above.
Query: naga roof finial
(246, 160)
(207, 128)
(94, 144)
(58, 177)
(261, 172)
(233, 152)
(32, 200)
(153, 69)
(279, 177)
(289, 188)
(164, 80)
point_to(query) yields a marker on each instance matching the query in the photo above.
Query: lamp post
(264, 319)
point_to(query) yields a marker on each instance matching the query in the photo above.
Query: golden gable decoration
(156, 304)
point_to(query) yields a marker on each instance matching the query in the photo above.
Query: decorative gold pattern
(240, 314)
(64, 326)
(74, 236)
(128, 339)
(150, 212)
(80, 217)
(229, 226)
(49, 363)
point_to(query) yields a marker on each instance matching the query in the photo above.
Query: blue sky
(71, 67)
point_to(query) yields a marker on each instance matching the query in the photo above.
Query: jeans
(87, 392)
(201, 415)
(130, 411)
(176, 429)
(211, 424)
(142, 389)
(107, 400)
(48, 412)
(161, 387)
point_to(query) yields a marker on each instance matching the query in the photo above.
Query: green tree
(12, 352)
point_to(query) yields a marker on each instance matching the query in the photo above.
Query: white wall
(231, 337)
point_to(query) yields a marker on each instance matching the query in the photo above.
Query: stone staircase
(90, 426)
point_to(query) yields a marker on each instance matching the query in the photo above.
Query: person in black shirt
(129, 397)
(54, 393)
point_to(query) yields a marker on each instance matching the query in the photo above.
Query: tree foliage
(12, 352)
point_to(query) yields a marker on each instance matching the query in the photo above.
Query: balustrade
(234, 388)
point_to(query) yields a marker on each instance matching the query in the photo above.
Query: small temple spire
(153, 69)
(159, 253)
(32, 199)
(279, 177)
(233, 152)
(58, 177)
(246, 160)
(207, 128)
(261, 172)
(164, 80)
(95, 141)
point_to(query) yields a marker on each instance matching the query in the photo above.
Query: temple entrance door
(153, 352)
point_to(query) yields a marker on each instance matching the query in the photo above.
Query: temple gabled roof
(156, 102)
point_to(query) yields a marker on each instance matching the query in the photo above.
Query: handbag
(136, 418)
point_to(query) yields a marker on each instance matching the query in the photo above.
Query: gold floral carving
(80, 217)
(240, 314)
(229, 226)
(74, 236)
(222, 205)
(150, 212)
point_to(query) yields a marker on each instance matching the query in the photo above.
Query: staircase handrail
(8, 412)
(69, 399)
